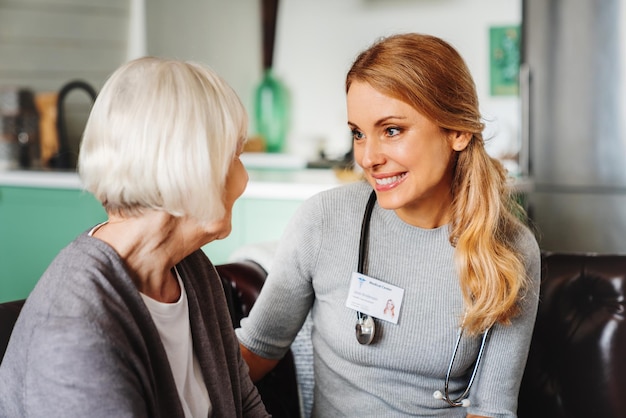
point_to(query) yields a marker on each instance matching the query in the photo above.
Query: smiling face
(406, 157)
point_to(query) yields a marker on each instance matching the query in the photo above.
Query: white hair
(162, 135)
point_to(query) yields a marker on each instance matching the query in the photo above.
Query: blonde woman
(130, 320)
(433, 226)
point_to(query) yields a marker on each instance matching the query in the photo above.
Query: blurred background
(549, 74)
(46, 43)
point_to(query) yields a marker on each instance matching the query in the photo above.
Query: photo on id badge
(390, 309)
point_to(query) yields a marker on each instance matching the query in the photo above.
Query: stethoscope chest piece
(365, 329)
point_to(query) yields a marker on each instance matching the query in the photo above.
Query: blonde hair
(162, 135)
(430, 75)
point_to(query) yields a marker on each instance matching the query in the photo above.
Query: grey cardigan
(85, 344)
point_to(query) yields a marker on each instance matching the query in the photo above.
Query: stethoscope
(366, 327)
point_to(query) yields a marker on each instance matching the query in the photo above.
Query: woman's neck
(150, 244)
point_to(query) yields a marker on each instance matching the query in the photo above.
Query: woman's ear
(459, 140)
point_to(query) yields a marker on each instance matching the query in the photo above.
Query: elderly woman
(130, 319)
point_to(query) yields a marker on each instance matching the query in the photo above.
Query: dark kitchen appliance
(65, 158)
(19, 132)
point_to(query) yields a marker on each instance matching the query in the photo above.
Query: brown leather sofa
(279, 390)
(577, 361)
(9, 311)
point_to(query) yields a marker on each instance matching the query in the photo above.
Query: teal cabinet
(41, 213)
(35, 224)
(254, 221)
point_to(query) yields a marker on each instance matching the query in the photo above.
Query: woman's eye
(356, 134)
(393, 131)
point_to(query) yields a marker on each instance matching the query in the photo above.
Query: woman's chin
(217, 230)
(225, 232)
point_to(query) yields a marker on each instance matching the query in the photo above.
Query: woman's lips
(389, 182)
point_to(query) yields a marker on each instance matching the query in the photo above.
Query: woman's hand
(259, 366)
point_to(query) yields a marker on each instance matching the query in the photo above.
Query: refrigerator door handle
(524, 154)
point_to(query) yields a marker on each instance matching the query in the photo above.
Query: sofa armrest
(9, 311)
(576, 365)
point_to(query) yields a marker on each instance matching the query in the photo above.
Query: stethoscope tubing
(365, 230)
(446, 395)
(363, 243)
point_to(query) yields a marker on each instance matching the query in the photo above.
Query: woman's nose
(372, 154)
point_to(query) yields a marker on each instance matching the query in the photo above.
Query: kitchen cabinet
(255, 220)
(42, 212)
(35, 224)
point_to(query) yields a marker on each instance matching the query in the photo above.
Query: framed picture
(504, 60)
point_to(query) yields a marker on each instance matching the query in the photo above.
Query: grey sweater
(85, 344)
(397, 375)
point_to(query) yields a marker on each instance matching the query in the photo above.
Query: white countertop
(287, 184)
(263, 184)
(40, 179)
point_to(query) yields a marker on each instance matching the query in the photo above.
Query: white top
(172, 322)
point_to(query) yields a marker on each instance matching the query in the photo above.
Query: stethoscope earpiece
(464, 402)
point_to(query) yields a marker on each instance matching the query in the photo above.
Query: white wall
(225, 35)
(317, 41)
(45, 44)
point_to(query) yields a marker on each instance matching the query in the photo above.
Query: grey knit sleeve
(287, 294)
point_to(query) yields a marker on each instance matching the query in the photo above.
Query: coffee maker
(19, 129)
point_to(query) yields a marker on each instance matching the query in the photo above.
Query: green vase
(271, 112)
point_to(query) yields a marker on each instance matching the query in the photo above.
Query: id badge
(375, 297)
